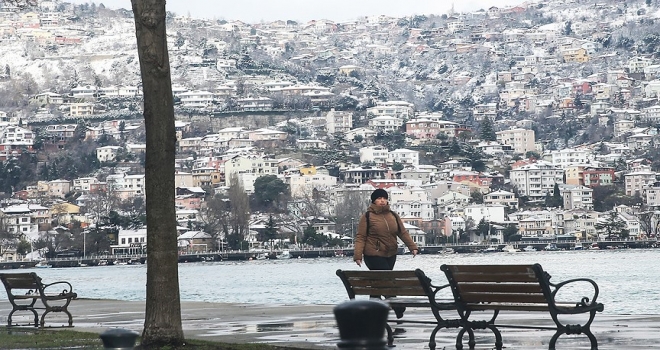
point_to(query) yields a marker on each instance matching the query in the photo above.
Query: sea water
(628, 279)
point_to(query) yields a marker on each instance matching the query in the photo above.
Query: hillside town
(504, 124)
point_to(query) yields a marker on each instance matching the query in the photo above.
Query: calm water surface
(628, 279)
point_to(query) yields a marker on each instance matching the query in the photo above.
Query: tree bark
(162, 323)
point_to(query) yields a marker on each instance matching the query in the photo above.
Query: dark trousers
(379, 263)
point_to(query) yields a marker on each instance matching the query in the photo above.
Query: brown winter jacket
(381, 240)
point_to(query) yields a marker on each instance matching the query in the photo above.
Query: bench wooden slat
(380, 274)
(394, 291)
(521, 298)
(472, 277)
(500, 287)
(508, 307)
(384, 283)
(492, 269)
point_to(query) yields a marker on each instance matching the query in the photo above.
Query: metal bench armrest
(64, 291)
(585, 302)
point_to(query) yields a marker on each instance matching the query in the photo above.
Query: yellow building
(308, 169)
(575, 55)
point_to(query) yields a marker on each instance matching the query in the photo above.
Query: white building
(130, 241)
(500, 197)
(195, 99)
(81, 109)
(521, 140)
(404, 156)
(107, 153)
(537, 179)
(398, 109)
(386, 123)
(303, 185)
(83, 184)
(490, 213)
(570, 156)
(338, 121)
(376, 154)
(578, 197)
(637, 181)
(249, 164)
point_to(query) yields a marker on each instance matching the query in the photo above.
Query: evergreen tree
(270, 231)
(483, 228)
(487, 132)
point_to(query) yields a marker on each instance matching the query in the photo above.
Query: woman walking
(376, 239)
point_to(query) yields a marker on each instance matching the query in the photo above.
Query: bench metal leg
(498, 337)
(586, 331)
(56, 309)
(36, 316)
(569, 329)
(471, 341)
(390, 336)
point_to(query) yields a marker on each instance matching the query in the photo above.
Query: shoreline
(314, 327)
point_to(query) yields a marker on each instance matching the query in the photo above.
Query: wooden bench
(497, 288)
(412, 288)
(25, 290)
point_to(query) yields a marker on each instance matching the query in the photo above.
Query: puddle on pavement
(274, 327)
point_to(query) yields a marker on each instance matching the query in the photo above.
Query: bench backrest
(399, 283)
(520, 284)
(28, 280)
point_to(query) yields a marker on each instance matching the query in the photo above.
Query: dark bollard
(119, 339)
(362, 324)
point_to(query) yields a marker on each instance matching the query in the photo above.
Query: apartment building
(385, 123)
(578, 197)
(521, 140)
(398, 109)
(249, 164)
(427, 129)
(570, 156)
(376, 154)
(500, 197)
(636, 182)
(537, 179)
(338, 121)
(404, 156)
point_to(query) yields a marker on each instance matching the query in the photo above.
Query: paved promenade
(313, 326)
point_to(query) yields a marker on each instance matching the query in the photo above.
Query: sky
(255, 11)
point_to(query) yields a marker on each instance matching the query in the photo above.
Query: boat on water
(42, 264)
(448, 250)
(491, 249)
(551, 247)
(578, 246)
(529, 248)
(509, 248)
(594, 246)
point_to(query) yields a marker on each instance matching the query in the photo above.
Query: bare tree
(214, 216)
(8, 239)
(239, 207)
(162, 322)
(350, 207)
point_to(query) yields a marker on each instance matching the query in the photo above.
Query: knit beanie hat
(379, 192)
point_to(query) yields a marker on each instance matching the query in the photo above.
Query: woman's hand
(414, 252)
(358, 262)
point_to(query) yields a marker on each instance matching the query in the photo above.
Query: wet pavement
(314, 327)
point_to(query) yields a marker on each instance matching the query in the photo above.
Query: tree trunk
(162, 323)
